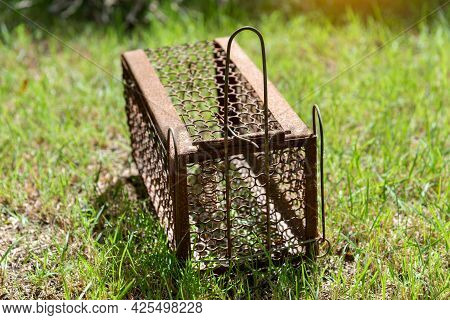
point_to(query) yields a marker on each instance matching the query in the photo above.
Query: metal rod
(266, 135)
(316, 112)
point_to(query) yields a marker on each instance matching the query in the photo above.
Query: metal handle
(316, 113)
(227, 84)
(266, 133)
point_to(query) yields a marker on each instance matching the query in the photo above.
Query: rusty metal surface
(223, 191)
(153, 97)
(194, 77)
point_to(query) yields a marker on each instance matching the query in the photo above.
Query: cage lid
(183, 87)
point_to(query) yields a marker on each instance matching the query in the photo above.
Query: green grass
(71, 225)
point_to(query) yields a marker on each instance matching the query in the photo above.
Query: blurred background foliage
(130, 13)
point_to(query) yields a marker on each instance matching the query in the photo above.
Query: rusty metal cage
(228, 165)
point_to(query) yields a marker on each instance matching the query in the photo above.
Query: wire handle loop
(227, 82)
(266, 132)
(316, 114)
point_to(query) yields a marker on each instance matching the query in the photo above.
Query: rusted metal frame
(266, 134)
(178, 186)
(182, 210)
(311, 195)
(278, 106)
(157, 101)
(255, 138)
(215, 150)
(210, 152)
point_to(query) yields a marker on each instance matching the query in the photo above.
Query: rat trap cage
(228, 165)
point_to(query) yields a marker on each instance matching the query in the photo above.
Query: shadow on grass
(139, 264)
(137, 259)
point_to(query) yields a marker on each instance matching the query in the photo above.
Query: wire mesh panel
(193, 75)
(150, 156)
(224, 191)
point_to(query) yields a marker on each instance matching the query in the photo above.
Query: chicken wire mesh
(150, 156)
(223, 186)
(191, 73)
(248, 221)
